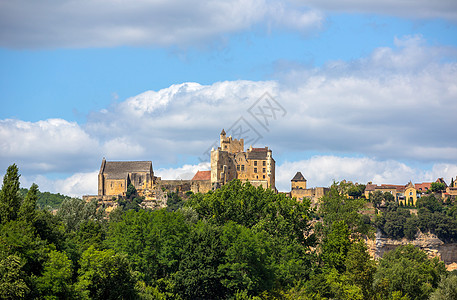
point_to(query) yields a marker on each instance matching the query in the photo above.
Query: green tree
(408, 270)
(56, 279)
(360, 268)
(198, 276)
(388, 197)
(105, 275)
(153, 241)
(354, 192)
(251, 207)
(12, 283)
(27, 211)
(437, 187)
(73, 212)
(10, 200)
(246, 264)
(174, 202)
(430, 202)
(447, 289)
(335, 246)
(335, 206)
(376, 198)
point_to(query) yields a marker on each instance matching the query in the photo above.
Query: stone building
(299, 190)
(229, 161)
(115, 176)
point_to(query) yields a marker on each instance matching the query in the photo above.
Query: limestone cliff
(432, 245)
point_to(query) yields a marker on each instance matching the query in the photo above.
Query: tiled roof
(298, 177)
(202, 175)
(120, 169)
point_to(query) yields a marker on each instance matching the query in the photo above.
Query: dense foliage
(433, 215)
(47, 200)
(238, 242)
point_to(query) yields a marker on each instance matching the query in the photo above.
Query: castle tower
(298, 182)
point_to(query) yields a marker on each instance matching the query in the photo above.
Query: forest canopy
(238, 242)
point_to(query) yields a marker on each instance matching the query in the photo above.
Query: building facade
(229, 161)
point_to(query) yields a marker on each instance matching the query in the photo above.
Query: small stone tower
(298, 182)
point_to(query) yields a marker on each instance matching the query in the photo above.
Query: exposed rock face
(432, 245)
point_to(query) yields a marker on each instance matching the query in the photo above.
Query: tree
(430, 202)
(388, 197)
(335, 246)
(360, 268)
(198, 276)
(73, 212)
(261, 208)
(10, 199)
(376, 198)
(56, 281)
(408, 270)
(152, 240)
(447, 289)
(12, 283)
(27, 210)
(335, 206)
(437, 187)
(246, 264)
(105, 275)
(354, 192)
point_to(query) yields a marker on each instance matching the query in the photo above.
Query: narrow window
(264, 163)
(255, 163)
(255, 170)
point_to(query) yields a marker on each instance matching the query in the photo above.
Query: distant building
(299, 190)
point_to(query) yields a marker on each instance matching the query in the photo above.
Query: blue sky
(364, 83)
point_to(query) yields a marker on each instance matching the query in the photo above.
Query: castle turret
(298, 182)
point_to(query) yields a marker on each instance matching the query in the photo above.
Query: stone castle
(229, 161)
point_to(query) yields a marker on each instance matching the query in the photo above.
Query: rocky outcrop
(433, 246)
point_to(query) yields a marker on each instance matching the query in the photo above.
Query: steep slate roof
(298, 177)
(120, 169)
(257, 153)
(202, 175)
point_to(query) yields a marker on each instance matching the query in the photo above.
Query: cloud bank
(109, 23)
(105, 23)
(395, 106)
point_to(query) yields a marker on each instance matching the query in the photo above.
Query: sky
(358, 90)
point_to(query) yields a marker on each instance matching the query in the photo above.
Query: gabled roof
(202, 175)
(120, 169)
(298, 177)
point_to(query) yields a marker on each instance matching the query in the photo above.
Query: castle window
(263, 176)
(255, 170)
(238, 167)
(255, 163)
(264, 163)
(242, 167)
(263, 170)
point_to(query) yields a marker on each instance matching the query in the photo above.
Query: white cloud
(446, 9)
(108, 23)
(76, 185)
(397, 104)
(185, 172)
(52, 145)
